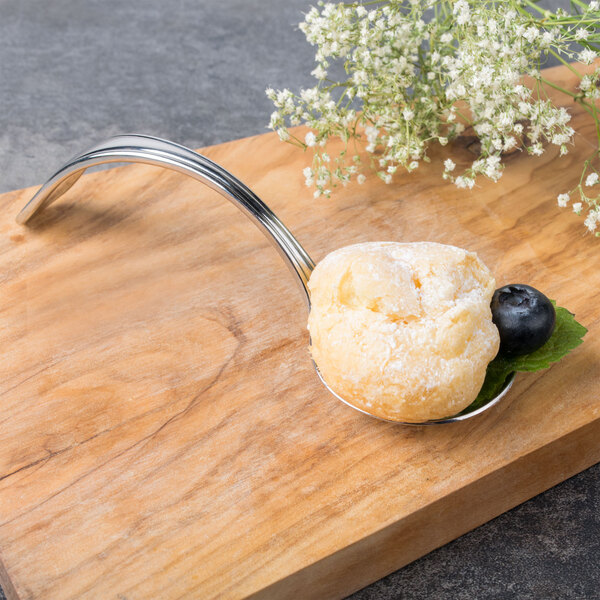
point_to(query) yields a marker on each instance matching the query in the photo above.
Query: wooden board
(162, 431)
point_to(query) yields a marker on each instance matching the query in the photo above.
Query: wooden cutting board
(162, 431)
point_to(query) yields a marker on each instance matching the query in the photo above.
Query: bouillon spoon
(154, 151)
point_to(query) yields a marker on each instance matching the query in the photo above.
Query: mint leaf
(567, 334)
(495, 376)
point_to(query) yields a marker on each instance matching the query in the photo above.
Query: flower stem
(577, 97)
(579, 3)
(595, 115)
(542, 11)
(561, 22)
(564, 62)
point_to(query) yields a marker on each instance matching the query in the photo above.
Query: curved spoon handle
(154, 151)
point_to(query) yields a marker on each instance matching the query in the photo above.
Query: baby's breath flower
(449, 164)
(319, 72)
(537, 149)
(592, 219)
(587, 56)
(411, 77)
(464, 182)
(462, 11)
(309, 177)
(310, 139)
(531, 33)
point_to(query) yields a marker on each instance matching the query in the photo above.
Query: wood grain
(162, 431)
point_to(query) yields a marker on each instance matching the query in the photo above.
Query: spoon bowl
(467, 413)
(154, 151)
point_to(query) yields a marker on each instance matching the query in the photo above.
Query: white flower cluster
(484, 73)
(589, 179)
(423, 71)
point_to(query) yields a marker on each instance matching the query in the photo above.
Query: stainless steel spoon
(154, 151)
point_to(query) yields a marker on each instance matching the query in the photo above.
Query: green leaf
(567, 334)
(495, 376)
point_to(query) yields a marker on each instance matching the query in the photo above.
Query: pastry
(403, 331)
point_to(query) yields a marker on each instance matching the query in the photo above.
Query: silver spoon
(154, 151)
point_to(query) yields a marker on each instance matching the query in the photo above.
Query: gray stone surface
(545, 549)
(194, 71)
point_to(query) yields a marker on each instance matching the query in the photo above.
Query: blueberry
(524, 317)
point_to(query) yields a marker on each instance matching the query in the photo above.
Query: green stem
(296, 141)
(595, 115)
(558, 87)
(585, 167)
(543, 11)
(589, 108)
(335, 84)
(569, 21)
(353, 4)
(579, 3)
(341, 98)
(588, 44)
(469, 121)
(564, 62)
